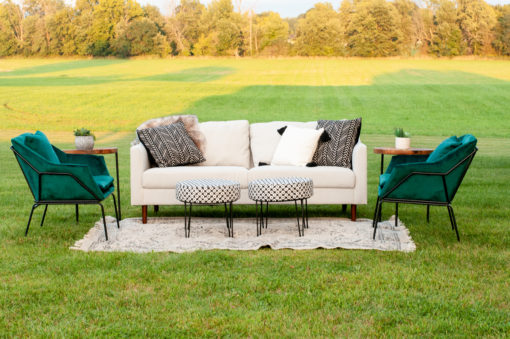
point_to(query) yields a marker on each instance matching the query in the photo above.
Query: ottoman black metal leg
(257, 217)
(229, 219)
(267, 212)
(303, 225)
(306, 206)
(187, 219)
(297, 217)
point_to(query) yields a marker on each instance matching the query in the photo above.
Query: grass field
(445, 288)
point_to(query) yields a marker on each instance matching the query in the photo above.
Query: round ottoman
(281, 190)
(208, 192)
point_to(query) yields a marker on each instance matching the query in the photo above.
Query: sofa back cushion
(227, 143)
(264, 138)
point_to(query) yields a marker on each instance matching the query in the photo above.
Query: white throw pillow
(264, 138)
(297, 146)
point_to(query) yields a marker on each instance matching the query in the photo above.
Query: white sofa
(233, 150)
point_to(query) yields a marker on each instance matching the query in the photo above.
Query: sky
(286, 8)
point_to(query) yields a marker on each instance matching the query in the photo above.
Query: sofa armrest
(139, 164)
(359, 167)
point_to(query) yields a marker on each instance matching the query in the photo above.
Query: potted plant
(402, 139)
(84, 139)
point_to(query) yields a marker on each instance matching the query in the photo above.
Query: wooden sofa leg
(353, 212)
(144, 214)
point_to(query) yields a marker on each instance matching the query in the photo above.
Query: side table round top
(105, 150)
(397, 151)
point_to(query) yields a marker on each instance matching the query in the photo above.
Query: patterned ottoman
(208, 192)
(280, 190)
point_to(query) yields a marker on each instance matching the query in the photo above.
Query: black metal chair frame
(447, 203)
(262, 219)
(228, 217)
(38, 203)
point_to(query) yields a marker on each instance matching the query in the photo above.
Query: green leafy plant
(83, 132)
(400, 133)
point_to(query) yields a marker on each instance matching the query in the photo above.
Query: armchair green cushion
(398, 183)
(66, 177)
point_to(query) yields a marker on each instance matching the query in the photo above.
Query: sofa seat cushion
(323, 176)
(170, 176)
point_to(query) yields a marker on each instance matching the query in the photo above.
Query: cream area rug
(167, 235)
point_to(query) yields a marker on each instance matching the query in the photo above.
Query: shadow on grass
(200, 74)
(62, 66)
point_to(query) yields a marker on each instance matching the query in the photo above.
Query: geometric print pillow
(170, 145)
(344, 135)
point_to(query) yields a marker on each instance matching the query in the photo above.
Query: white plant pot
(402, 143)
(84, 143)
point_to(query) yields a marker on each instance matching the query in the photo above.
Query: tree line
(367, 28)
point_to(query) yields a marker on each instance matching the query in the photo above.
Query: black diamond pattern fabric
(208, 191)
(280, 189)
(344, 135)
(170, 145)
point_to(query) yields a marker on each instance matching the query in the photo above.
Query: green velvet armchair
(56, 178)
(428, 180)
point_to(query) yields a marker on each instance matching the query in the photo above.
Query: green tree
(502, 31)
(447, 35)
(374, 30)
(409, 25)
(135, 38)
(11, 28)
(272, 33)
(319, 32)
(186, 26)
(107, 16)
(476, 20)
(225, 31)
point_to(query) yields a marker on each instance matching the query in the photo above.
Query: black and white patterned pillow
(344, 135)
(170, 145)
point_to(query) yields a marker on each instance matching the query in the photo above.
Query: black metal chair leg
(396, 214)
(450, 215)
(116, 212)
(44, 215)
(104, 222)
(77, 213)
(428, 213)
(378, 215)
(34, 206)
(454, 222)
(228, 217)
(375, 212)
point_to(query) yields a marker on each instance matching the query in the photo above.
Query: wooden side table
(102, 151)
(396, 151)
